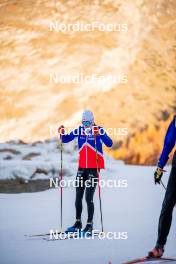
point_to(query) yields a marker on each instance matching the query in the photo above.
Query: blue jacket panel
(79, 133)
(169, 143)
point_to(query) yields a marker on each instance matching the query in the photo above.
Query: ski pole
(61, 175)
(162, 181)
(163, 185)
(99, 190)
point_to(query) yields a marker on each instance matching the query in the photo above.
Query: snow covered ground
(134, 210)
(40, 160)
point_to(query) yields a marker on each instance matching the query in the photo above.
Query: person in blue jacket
(169, 202)
(90, 139)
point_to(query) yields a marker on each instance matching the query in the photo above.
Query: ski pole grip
(61, 130)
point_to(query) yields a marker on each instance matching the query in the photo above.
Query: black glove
(158, 175)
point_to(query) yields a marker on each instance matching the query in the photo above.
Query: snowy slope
(134, 209)
(22, 160)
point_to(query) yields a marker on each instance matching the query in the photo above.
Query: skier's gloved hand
(95, 130)
(158, 175)
(61, 130)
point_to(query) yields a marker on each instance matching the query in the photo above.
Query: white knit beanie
(88, 116)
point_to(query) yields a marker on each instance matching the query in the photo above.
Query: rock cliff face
(32, 52)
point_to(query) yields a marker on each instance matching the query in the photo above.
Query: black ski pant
(169, 202)
(86, 181)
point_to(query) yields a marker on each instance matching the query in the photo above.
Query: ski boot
(87, 231)
(75, 228)
(157, 252)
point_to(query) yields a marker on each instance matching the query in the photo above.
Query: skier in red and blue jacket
(170, 196)
(90, 140)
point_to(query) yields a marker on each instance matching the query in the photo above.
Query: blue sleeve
(105, 138)
(71, 136)
(169, 143)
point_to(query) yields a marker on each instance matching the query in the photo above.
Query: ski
(148, 259)
(42, 234)
(48, 234)
(73, 235)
